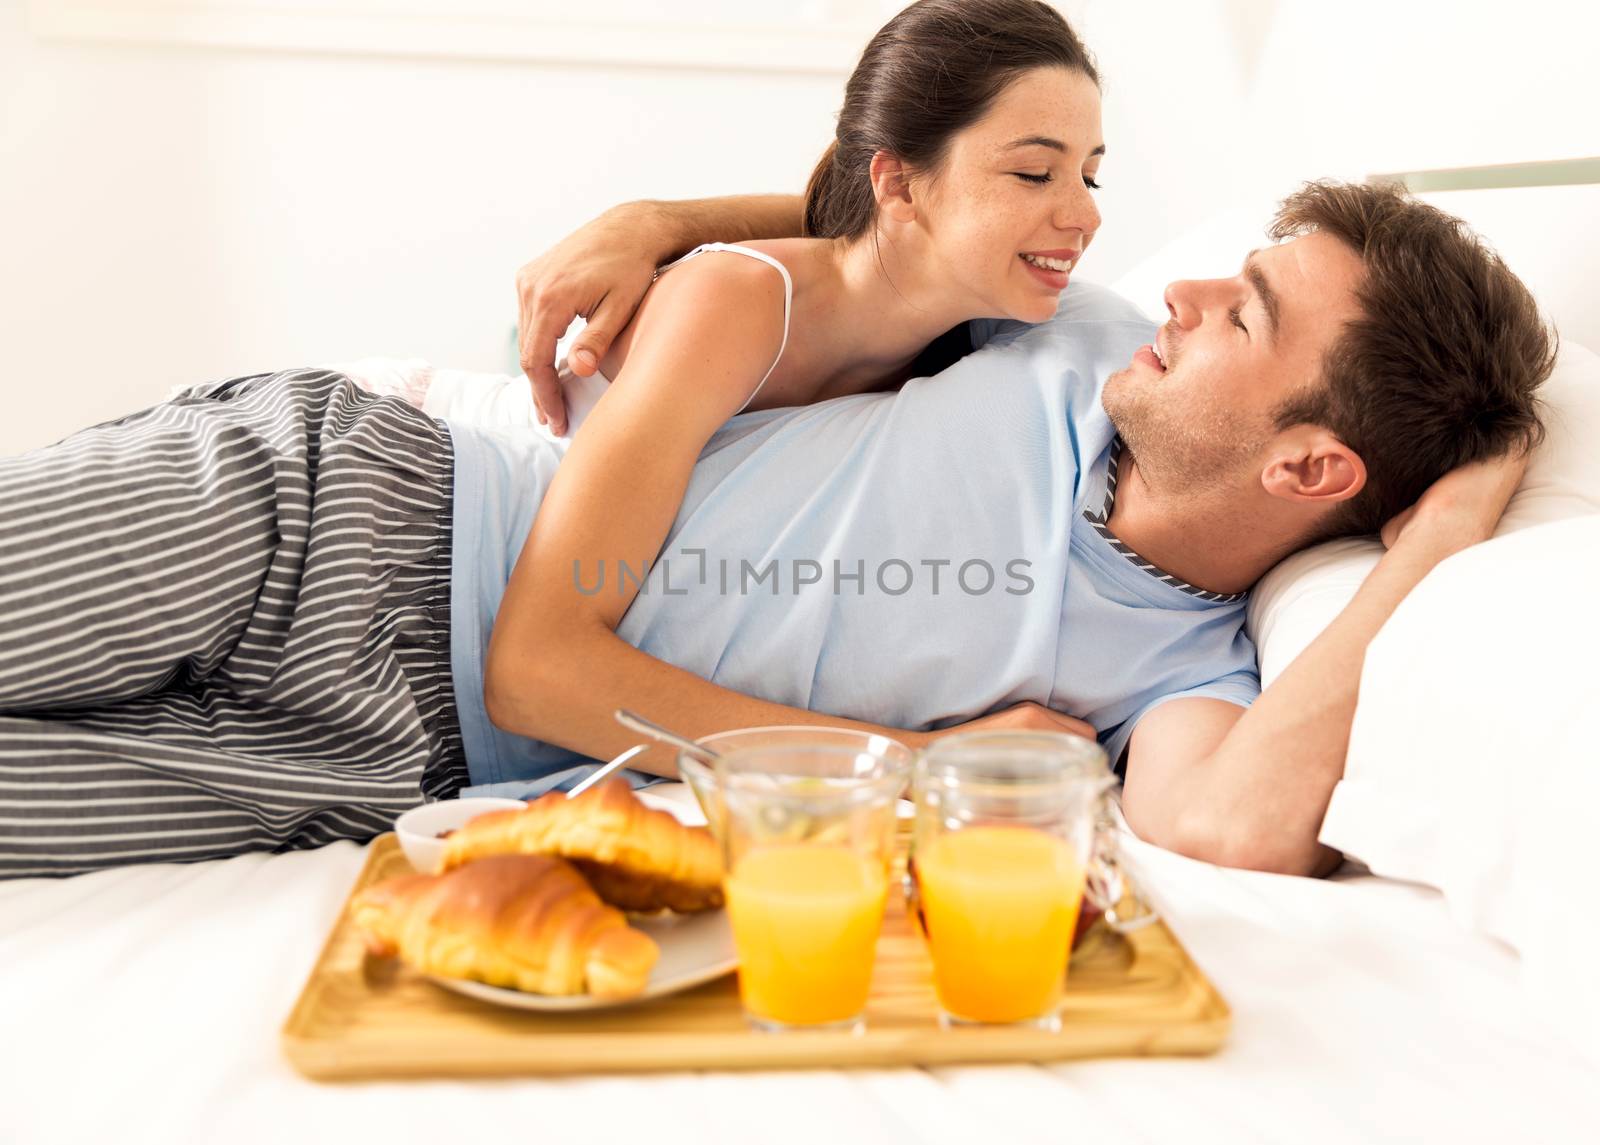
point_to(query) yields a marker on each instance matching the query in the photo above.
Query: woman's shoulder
(717, 310)
(794, 265)
(730, 280)
(740, 300)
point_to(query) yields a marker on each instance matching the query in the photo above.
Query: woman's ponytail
(819, 193)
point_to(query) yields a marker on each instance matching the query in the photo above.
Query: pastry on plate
(530, 922)
(638, 858)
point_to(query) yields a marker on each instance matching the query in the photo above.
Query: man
(1318, 392)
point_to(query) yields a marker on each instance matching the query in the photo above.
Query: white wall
(1385, 85)
(169, 214)
(1177, 79)
(1214, 104)
(173, 214)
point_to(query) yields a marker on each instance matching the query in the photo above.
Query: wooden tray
(1138, 994)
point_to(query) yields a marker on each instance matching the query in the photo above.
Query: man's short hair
(1442, 366)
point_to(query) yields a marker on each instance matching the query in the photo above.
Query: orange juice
(1000, 905)
(805, 920)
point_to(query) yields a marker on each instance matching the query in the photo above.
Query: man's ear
(1309, 464)
(891, 186)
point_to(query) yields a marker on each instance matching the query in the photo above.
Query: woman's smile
(1051, 267)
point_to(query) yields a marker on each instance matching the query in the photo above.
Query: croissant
(636, 857)
(530, 922)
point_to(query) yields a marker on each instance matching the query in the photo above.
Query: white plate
(695, 948)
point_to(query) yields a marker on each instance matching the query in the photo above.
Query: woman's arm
(556, 669)
(601, 271)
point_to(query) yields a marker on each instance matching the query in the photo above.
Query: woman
(265, 623)
(958, 187)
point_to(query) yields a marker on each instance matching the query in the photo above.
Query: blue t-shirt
(914, 559)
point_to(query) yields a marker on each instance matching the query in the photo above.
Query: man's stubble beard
(1185, 450)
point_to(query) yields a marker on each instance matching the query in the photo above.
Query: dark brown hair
(1442, 366)
(931, 71)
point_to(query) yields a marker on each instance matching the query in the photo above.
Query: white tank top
(788, 298)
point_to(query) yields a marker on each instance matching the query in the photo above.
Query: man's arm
(601, 271)
(1249, 788)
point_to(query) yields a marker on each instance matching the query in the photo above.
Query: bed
(1438, 991)
(144, 1005)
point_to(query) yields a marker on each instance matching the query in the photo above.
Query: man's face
(1199, 409)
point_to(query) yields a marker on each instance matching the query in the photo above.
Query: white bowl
(419, 828)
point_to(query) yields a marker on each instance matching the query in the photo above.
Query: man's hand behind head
(1462, 508)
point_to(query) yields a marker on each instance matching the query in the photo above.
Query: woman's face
(1011, 210)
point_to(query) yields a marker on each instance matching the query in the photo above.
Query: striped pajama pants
(224, 627)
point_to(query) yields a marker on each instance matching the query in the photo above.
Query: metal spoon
(635, 722)
(638, 723)
(600, 773)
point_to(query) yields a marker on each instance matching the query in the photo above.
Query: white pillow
(1564, 475)
(1474, 761)
(492, 401)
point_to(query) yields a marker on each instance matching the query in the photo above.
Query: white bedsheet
(145, 1003)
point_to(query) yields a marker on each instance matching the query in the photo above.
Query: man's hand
(599, 272)
(1460, 509)
(1024, 717)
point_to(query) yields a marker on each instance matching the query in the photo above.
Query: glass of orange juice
(1002, 846)
(807, 825)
